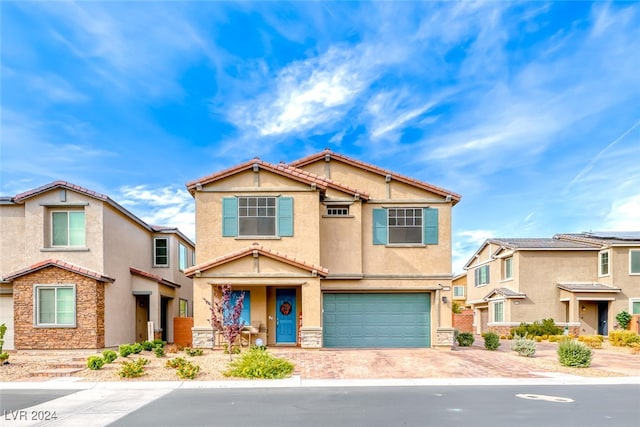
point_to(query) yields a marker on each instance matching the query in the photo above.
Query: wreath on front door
(285, 308)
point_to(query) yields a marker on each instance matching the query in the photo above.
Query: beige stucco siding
(341, 241)
(12, 244)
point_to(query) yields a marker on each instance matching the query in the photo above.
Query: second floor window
(257, 216)
(160, 252)
(604, 263)
(482, 275)
(634, 262)
(458, 291)
(67, 228)
(413, 226)
(508, 268)
(184, 256)
(405, 225)
(337, 210)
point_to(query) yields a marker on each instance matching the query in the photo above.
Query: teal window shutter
(285, 216)
(430, 227)
(229, 217)
(379, 226)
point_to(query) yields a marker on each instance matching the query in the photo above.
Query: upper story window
(603, 269)
(482, 275)
(405, 226)
(508, 268)
(458, 291)
(256, 216)
(337, 210)
(184, 256)
(55, 305)
(67, 228)
(161, 252)
(634, 261)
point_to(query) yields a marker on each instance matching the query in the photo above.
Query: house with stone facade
(78, 270)
(329, 252)
(580, 280)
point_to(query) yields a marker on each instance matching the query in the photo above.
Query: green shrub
(491, 341)
(133, 368)
(553, 338)
(159, 351)
(125, 350)
(623, 318)
(95, 362)
(465, 339)
(574, 354)
(538, 329)
(147, 345)
(137, 348)
(593, 341)
(109, 356)
(524, 346)
(193, 351)
(623, 338)
(234, 350)
(188, 371)
(257, 363)
(176, 362)
(563, 338)
(544, 337)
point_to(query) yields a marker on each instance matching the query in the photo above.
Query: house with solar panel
(581, 280)
(329, 252)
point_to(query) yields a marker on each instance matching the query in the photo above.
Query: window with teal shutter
(229, 217)
(285, 216)
(430, 226)
(379, 226)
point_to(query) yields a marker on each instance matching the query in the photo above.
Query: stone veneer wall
(310, 337)
(202, 337)
(445, 337)
(89, 329)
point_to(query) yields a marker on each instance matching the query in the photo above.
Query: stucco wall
(12, 244)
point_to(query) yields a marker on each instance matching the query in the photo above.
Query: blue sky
(530, 110)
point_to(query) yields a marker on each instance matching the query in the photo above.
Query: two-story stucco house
(580, 280)
(81, 271)
(330, 252)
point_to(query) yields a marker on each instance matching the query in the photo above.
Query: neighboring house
(330, 252)
(459, 284)
(80, 271)
(580, 280)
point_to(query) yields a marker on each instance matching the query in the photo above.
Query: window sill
(258, 238)
(55, 326)
(405, 245)
(510, 279)
(161, 266)
(65, 249)
(338, 216)
(481, 286)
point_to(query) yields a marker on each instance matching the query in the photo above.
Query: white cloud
(624, 214)
(465, 244)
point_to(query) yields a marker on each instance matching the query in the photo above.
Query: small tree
(225, 315)
(3, 354)
(623, 318)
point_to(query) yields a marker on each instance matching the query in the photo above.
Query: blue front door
(285, 316)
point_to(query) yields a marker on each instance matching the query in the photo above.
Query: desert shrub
(491, 341)
(171, 348)
(147, 345)
(538, 339)
(623, 338)
(193, 351)
(623, 318)
(176, 362)
(563, 338)
(188, 371)
(109, 356)
(125, 350)
(257, 363)
(544, 337)
(465, 339)
(524, 346)
(234, 350)
(133, 368)
(158, 343)
(159, 351)
(553, 338)
(592, 341)
(537, 328)
(574, 354)
(635, 348)
(95, 362)
(136, 348)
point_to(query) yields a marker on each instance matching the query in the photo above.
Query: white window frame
(631, 251)
(494, 305)
(273, 217)
(155, 256)
(36, 306)
(508, 268)
(600, 254)
(84, 226)
(186, 303)
(488, 276)
(457, 287)
(183, 262)
(631, 302)
(419, 227)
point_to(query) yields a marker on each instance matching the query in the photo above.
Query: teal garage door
(376, 320)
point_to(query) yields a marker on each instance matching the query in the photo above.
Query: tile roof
(377, 170)
(282, 169)
(154, 277)
(60, 264)
(506, 292)
(256, 248)
(603, 237)
(20, 198)
(540, 243)
(586, 287)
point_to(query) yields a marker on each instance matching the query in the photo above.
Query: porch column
(311, 330)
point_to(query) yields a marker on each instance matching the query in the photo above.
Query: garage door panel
(377, 320)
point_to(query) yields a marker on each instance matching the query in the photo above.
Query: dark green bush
(109, 356)
(95, 362)
(623, 318)
(137, 348)
(537, 329)
(257, 363)
(158, 343)
(574, 354)
(491, 341)
(159, 351)
(465, 339)
(125, 350)
(193, 351)
(147, 345)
